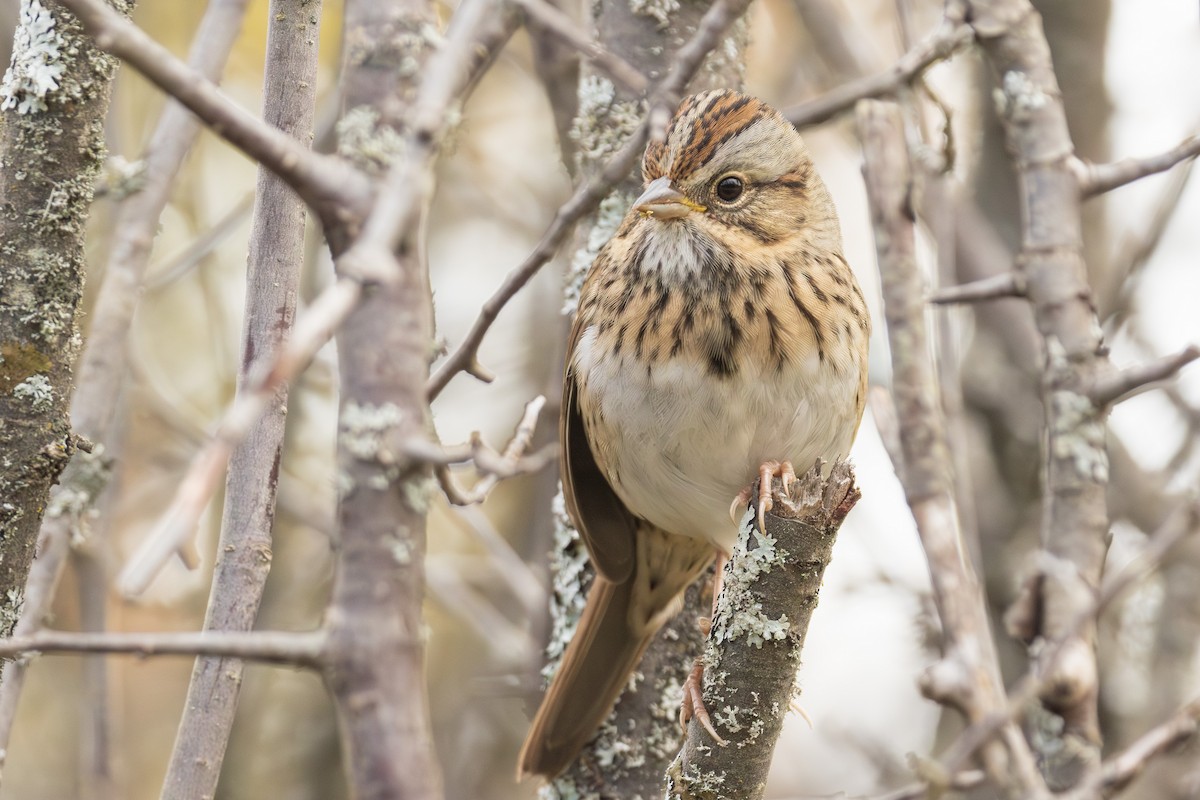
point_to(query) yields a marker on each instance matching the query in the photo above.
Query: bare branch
(508, 463)
(584, 201)
(313, 329)
(1112, 389)
(335, 190)
(968, 675)
(1097, 179)
(562, 26)
(942, 44)
(1121, 769)
(272, 286)
(271, 647)
(963, 781)
(1010, 284)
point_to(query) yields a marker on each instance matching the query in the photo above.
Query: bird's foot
(766, 474)
(693, 703)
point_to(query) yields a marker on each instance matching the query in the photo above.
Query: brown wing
(601, 518)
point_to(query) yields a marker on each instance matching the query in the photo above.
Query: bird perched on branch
(720, 336)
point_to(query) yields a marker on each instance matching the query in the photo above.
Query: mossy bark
(49, 160)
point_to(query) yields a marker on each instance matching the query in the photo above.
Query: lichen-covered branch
(55, 98)
(968, 675)
(752, 655)
(1075, 518)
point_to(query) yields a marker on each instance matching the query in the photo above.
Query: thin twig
(1126, 383)
(942, 44)
(1097, 179)
(1009, 284)
(335, 190)
(1119, 770)
(313, 329)
(159, 276)
(508, 464)
(562, 26)
(271, 647)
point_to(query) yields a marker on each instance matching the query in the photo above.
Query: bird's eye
(730, 188)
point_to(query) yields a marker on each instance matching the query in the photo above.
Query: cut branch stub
(771, 584)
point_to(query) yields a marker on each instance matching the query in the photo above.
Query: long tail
(594, 670)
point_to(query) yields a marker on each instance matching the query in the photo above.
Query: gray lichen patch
(366, 142)
(36, 67)
(572, 577)
(418, 493)
(607, 220)
(739, 613)
(37, 390)
(604, 121)
(365, 427)
(1077, 430)
(365, 433)
(1018, 96)
(10, 611)
(659, 10)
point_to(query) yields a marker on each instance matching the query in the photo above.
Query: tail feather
(594, 670)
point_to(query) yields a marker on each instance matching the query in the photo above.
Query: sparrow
(720, 336)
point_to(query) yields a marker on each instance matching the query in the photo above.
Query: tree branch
(1075, 519)
(336, 191)
(1009, 284)
(752, 655)
(563, 27)
(1123, 384)
(272, 285)
(287, 649)
(943, 43)
(968, 675)
(1097, 179)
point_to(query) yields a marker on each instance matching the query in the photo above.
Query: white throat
(671, 252)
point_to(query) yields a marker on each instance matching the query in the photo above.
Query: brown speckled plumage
(719, 329)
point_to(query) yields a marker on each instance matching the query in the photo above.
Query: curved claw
(693, 703)
(766, 474)
(739, 502)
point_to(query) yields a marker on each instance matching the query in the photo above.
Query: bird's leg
(693, 687)
(766, 473)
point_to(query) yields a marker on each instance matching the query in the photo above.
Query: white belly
(678, 444)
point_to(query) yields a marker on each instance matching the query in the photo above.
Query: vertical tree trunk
(55, 98)
(244, 550)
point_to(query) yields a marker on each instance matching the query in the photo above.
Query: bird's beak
(661, 200)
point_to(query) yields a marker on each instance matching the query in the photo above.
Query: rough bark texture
(376, 670)
(51, 151)
(1075, 519)
(770, 591)
(244, 549)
